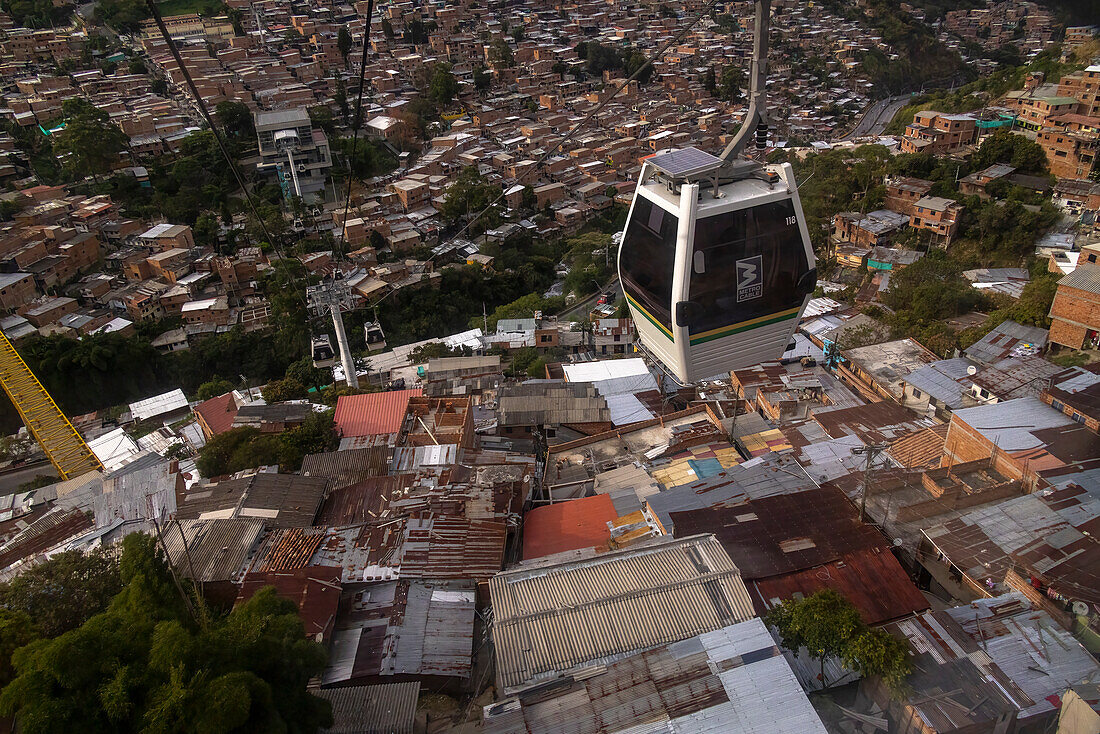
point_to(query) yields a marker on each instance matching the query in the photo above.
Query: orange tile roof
(372, 414)
(568, 525)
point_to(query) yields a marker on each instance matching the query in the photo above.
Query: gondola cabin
(323, 353)
(715, 262)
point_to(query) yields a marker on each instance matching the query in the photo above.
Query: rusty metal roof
(417, 547)
(553, 618)
(569, 525)
(281, 500)
(786, 533)
(872, 579)
(920, 449)
(874, 423)
(373, 413)
(287, 549)
(403, 628)
(315, 589)
(45, 533)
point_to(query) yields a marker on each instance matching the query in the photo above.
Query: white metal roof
(158, 405)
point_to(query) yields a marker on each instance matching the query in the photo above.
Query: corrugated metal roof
(1006, 340)
(281, 500)
(403, 628)
(158, 405)
(551, 619)
(1084, 277)
(872, 579)
(316, 591)
(218, 413)
(217, 550)
(46, 532)
(387, 708)
(347, 466)
(1010, 425)
(1036, 652)
(733, 679)
(373, 413)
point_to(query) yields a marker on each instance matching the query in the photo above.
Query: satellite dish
(1081, 609)
(897, 542)
(971, 370)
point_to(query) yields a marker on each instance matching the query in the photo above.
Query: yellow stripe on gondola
(707, 336)
(664, 329)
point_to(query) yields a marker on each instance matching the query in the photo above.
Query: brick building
(16, 289)
(1075, 312)
(937, 216)
(1071, 142)
(938, 133)
(1084, 86)
(868, 230)
(902, 192)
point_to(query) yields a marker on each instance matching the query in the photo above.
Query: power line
(584, 121)
(152, 5)
(357, 123)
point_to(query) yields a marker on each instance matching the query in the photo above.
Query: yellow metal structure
(62, 443)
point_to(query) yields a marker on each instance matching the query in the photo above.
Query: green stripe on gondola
(664, 329)
(744, 326)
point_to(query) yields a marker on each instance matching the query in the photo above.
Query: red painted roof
(569, 525)
(218, 413)
(373, 413)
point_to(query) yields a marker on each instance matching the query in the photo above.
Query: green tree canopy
(827, 625)
(1003, 146)
(468, 195)
(482, 79)
(730, 83)
(443, 87)
(90, 143)
(500, 54)
(235, 119)
(146, 664)
(213, 388)
(64, 591)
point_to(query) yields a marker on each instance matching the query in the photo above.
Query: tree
(635, 61)
(469, 195)
(206, 229)
(236, 450)
(387, 29)
(827, 625)
(280, 391)
(528, 199)
(136, 66)
(66, 590)
(1003, 146)
(17, 629)
(559, 68)
(500, 54)
(709, 81)
(122, 15)
(90, 143)
(443, 87)
(235, 119)
(343, 42)
(159, 661)
(482, 79)
(321, 116)
(729, 84)
(317, 434)
(213, 388)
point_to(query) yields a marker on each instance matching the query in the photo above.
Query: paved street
(877, 117)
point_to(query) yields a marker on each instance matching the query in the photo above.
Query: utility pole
(871, 452)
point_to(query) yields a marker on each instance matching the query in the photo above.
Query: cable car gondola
(715, 260)
(323, 353)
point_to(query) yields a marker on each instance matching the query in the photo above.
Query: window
(769, 236)
(1057, 404)
(544, 338)
(648, 257)
(917, 393)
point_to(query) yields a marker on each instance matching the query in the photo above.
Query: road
(582, 308)
(877, 117)
(10, 482)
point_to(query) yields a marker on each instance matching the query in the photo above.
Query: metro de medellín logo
(750, 278)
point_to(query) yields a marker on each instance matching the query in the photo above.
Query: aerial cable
(584, 121)
(151, 4)
(587, 118)
(358, 122)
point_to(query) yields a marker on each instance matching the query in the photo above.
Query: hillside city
(324, 410)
